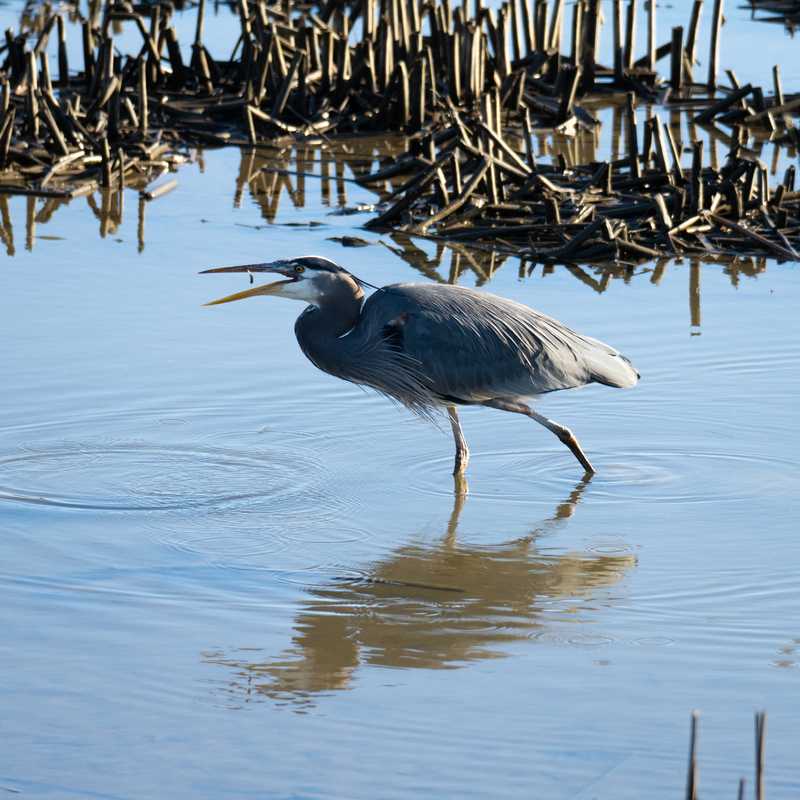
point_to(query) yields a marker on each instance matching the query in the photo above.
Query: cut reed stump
(692, 779)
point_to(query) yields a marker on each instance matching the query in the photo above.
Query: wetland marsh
(225, 574)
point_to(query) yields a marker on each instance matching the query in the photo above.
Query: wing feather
(473, 346)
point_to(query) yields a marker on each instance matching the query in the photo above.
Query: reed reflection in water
(278, 181)
(426, 606)
(269, 175)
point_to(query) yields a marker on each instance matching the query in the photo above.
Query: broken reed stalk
(761, 730)
(159, 191)
(651, 36)
(691, 776)
(713, 56)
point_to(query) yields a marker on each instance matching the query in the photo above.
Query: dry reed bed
(470, 184)
(458, 77)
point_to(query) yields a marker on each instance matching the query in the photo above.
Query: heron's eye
(298, 268)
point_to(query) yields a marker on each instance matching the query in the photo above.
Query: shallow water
(225, 574)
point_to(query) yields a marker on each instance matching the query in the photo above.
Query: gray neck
(320, 329)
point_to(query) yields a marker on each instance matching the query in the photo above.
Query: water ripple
(660, 476)
(139, 476)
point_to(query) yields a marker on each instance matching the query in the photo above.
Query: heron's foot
(568, 438)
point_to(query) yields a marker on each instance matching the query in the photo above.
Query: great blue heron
(433, 347)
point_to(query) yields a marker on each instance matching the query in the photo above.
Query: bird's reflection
(427, 606)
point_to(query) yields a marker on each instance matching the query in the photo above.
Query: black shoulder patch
(392, 332)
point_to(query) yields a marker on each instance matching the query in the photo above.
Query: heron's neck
(320, 329)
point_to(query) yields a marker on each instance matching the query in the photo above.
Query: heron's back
(473, 346)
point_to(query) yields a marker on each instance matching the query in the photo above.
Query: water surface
(225, 574)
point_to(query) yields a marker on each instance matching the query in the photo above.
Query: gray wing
(472, 346)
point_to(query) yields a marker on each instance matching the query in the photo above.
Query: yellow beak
(269, 288)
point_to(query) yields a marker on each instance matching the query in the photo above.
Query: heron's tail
(609, 367)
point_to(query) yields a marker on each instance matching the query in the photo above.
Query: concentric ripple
(231, 507)
(663, 476)
(137, 476)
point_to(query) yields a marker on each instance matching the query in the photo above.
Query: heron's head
(311, 279)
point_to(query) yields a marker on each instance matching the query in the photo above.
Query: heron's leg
(462, 451)
(564, 434)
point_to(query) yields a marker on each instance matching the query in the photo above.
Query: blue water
(225, 574)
